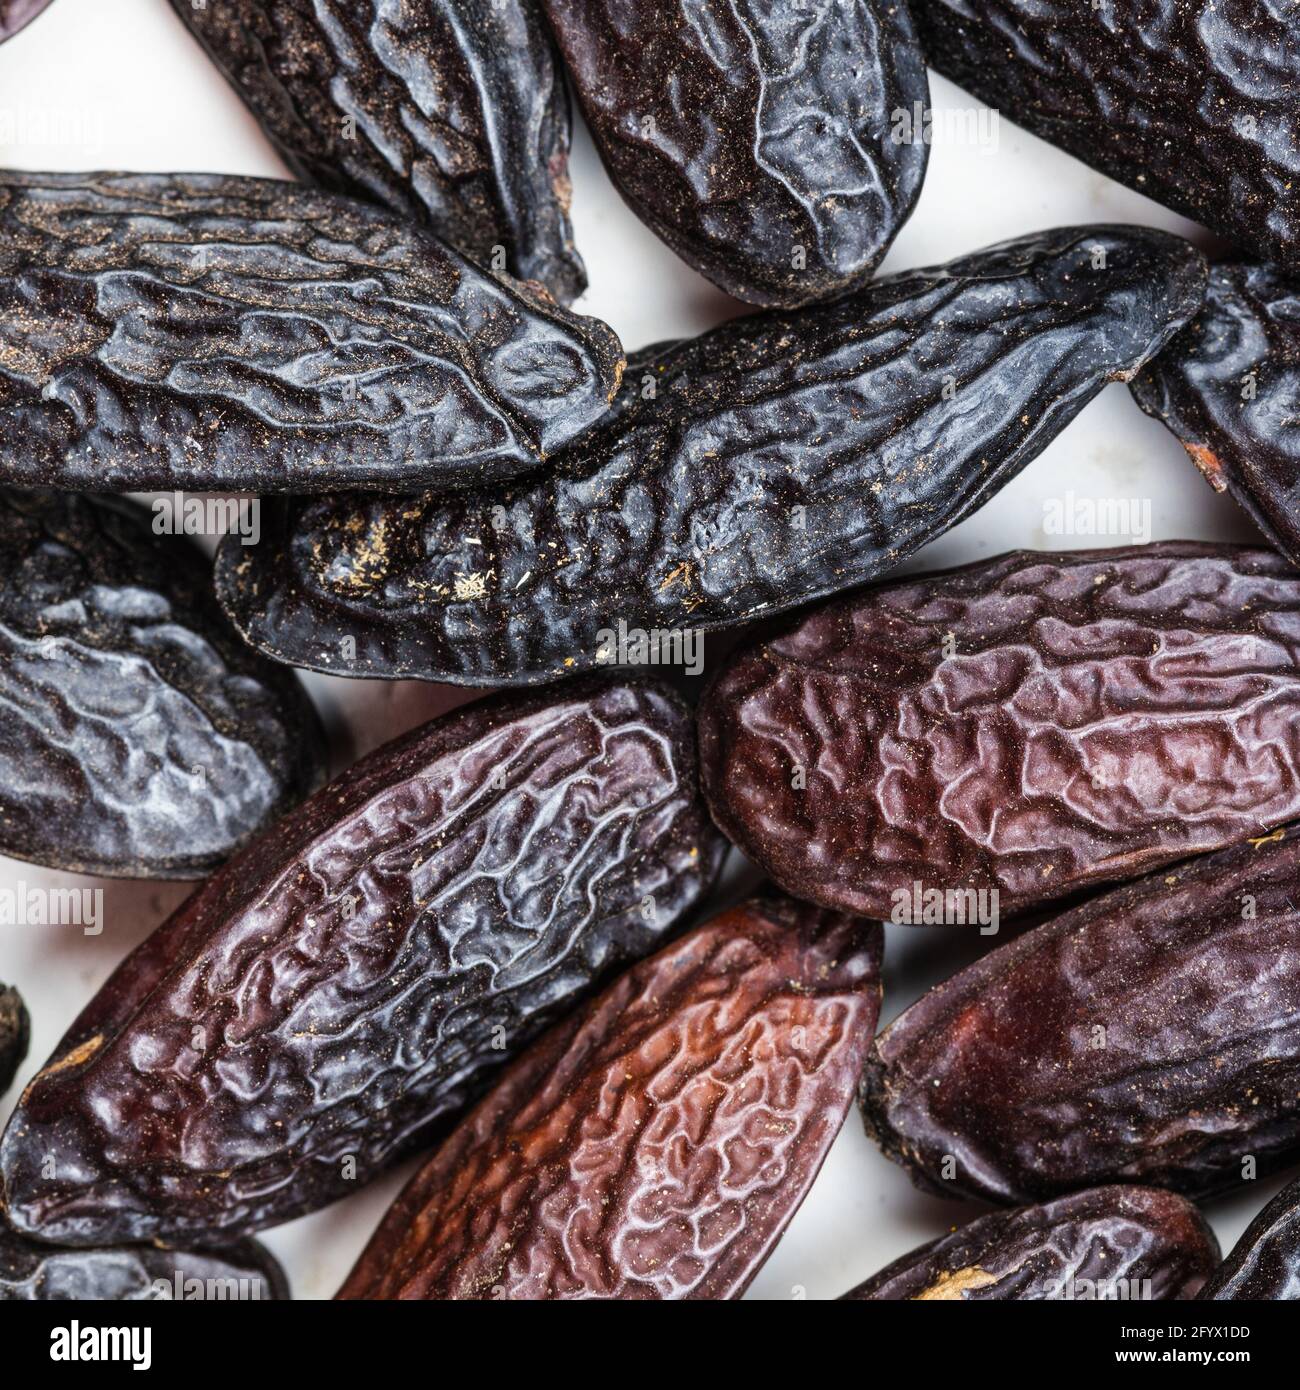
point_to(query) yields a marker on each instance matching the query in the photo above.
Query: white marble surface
(120, 84)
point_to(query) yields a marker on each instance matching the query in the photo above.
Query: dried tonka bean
(655, 1144)
(1228, 385)
(762, 142)
(1195, 105)
(32, 1272)
(1032, 725)
(1151, 1035)
(15, 1033)
(17, 14)
(1265, 1263)
(452, 112)
(1112, 1242)
(139, 737)
(317, 1007)
(196, 331)
(776, 459)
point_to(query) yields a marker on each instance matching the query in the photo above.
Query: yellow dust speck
(79, 1054)
(469, 587)
(950, 1287)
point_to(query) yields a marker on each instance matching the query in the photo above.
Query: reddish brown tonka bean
(762, 142)
(232, 334)
(1265, 1263)
(15, 1033)
(1196, 104)
(1151, 1035)
(1227, 387)
(317, 1008)
(777, 459)
(1034, 724)
(17, 14)
(32, 1272)
(452, 112)
(654, 1145)
(1111, 1242)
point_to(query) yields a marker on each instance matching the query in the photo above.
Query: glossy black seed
(774, 460)
(1196, 105)
(139, 737)
(206, 332)
(777, 148)
(451, 112)
(1228, 386)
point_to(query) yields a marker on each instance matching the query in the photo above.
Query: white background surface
(120, 84)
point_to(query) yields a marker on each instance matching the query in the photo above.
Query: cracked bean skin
(353, 978)
(774, 460)
(1227, 387)
(1037, 724)
(655, 1144)
(1088, 1245)
(214, 333)
(1265, 1263)
(15, 1033)
(31, 1272)
(139, 737)
(1150, 1036)
(450, 112)
(757, 140)
(1193, 103)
